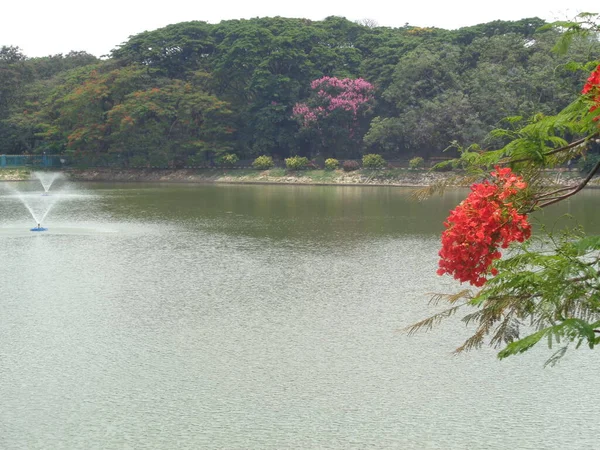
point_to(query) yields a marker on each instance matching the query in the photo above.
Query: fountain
(39, 228)
(46, 179)
(67, 209)
(39, 207)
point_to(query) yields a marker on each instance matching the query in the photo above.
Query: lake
(254, 316)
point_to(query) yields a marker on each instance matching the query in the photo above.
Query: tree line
(189, 93)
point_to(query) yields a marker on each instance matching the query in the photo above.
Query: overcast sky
(48, 27)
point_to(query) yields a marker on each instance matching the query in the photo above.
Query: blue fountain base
(39, 229)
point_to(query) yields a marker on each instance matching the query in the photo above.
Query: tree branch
(557, 150)
(574, 191)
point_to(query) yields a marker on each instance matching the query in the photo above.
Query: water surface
(187, 316)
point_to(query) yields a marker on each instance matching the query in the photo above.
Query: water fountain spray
(39, 207)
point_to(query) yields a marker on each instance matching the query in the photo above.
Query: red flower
(592, 87)
(593, 81)
(482, 223)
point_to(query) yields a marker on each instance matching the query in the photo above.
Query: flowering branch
(485, 221)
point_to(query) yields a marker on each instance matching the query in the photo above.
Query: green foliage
(174, 51)
(557, 291)
(331, 164)
(158, 158)
(587, 162)
(263, 162)
(277, 172)
(373, 161)
(482, 74)
(296, 162)
(416, 163)
(550, 283)
(138, 162)
(444, 166)
(350, 165)
(231, 88)
(228, 159)
(123, 111)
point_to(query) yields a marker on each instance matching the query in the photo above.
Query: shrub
(228, 159)
(296, 162)
(331, 164)
(444, 166)
(263, 162)
(350, 165)
(373, 161)
(416, 163)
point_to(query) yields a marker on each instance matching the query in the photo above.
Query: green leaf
(523, 345)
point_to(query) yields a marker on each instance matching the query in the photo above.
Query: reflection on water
(257, 317)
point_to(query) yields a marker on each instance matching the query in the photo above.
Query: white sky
(48, 27)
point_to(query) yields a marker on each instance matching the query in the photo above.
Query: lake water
(258, 317)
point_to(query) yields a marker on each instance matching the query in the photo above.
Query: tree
(14, 76)
(264, 66)
(24, 83)
(173, 51)
(551, 284)
(175, 124)
(47, 67)
(431, 86)
(106, 113)
(333, 113)
(499, 71)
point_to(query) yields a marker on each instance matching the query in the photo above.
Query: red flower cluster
(592, 87)
(485, 221)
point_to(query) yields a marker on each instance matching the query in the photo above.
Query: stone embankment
(406, 178)
(278, 176)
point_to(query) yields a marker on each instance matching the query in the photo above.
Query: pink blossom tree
(332, 119)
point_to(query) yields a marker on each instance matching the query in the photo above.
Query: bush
(263, 162)
(331, 164)
(350, 165)
(444, 166)
(373, 161)
(228, 160)
(296, 162)
(416, 163)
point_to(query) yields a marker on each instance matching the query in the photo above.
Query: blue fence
(43, 161)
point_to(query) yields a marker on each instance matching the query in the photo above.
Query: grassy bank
(400, 177)
(385, 177)
(391, 177)
(15, 174)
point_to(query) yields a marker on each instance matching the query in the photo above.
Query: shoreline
(271, 177)
(383, 178)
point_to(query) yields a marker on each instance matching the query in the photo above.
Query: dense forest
(191, 92)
